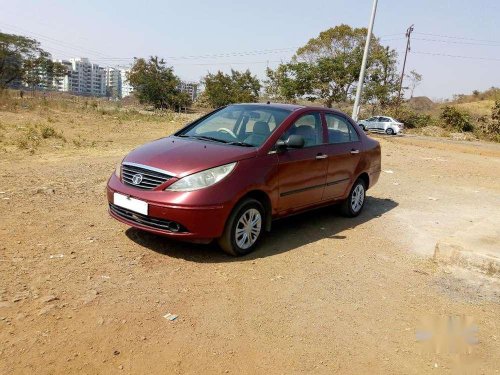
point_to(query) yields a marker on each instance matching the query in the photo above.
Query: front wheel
(355, 202)
(244, 228)
(362, 127)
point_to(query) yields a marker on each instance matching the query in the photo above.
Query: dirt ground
(82, 293)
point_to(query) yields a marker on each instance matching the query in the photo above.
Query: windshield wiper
(209, 138)
(244, 144)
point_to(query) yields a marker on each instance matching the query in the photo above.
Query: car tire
(362, 127)
(353, 205)
(389, 131)
(233, 239)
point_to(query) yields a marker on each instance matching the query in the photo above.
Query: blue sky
(240, 34)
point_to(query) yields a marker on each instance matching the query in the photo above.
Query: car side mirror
(293, 141)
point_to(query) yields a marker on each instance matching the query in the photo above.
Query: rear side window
(385, 119)
(340, 130)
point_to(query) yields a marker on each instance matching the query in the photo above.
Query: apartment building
(83, 78)
(189, 87)
(113, 83)
(126, 87)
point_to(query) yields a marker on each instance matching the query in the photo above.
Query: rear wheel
(389, 131)
(244, 228)
(355, 202)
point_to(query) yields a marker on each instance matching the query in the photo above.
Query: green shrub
(494, 127)
(410, 118)
(30, 140)
(456, 119)
(48, 132)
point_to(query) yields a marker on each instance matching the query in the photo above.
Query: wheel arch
(366, 178)
(264, 199)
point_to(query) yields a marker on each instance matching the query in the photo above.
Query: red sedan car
(227, 175)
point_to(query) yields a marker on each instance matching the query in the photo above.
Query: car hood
(182, 157)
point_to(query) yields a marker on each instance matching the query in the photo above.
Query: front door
(302, 172)
(372, 123)
(343, 152)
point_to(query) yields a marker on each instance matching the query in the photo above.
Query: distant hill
(421, 103)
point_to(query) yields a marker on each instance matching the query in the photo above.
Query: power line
(459, 37)
(67, 48)
(457, 42)
(457, 56)
(101, 57)
(217, 55)
(56, 41)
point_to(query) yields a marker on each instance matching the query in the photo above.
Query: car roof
(290, 107)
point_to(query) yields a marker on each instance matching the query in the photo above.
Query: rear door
(385, 123)
(343, 150)
(302, 172)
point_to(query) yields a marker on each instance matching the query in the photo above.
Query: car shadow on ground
(287, 234)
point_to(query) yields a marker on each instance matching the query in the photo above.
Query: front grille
(150, 178)
(146, 221)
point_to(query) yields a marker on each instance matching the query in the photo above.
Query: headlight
(202, 179)
(118, 171)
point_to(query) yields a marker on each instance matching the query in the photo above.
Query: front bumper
(199, 223)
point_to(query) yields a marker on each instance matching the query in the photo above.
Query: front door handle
(321, 156)
(354, 151)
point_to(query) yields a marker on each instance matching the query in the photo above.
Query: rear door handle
(321, 156)
(354, 151)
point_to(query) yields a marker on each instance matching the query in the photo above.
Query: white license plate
(131, 204)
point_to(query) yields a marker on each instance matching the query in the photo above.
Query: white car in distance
(385, 124)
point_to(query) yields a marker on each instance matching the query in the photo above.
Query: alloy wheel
(358, 197)
(248, 228)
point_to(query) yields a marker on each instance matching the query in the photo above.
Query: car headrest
(261, 127)
(306, 131)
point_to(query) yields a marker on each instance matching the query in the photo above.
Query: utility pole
(408, 48)
(359, 89)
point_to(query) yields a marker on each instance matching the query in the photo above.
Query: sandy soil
(80, 292)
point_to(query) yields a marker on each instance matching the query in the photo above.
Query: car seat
(260, 133)
(308, 133)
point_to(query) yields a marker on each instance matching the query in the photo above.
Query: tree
(41, 72)
(382, 77)
(155, 83)
(222, 89)
(415, 80)
(289, 81)
(495, 117)
(22, 59)
(328, 67)
(14, 50)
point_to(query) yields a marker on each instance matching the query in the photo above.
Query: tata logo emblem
(137, 179)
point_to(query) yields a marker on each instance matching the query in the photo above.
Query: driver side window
(309, 127)
(223, 119)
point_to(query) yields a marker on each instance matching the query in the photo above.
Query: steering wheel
(228, 131)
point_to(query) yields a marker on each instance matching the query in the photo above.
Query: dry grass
(67, 124)
(478, 108)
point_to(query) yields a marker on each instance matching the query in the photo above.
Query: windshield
(242, 125)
